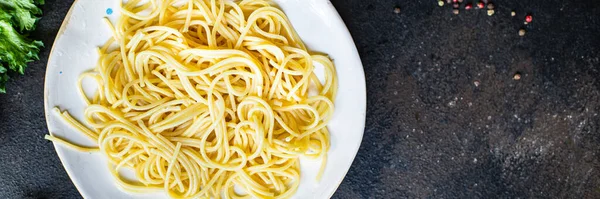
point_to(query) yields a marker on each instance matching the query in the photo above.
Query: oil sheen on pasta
(201, 96)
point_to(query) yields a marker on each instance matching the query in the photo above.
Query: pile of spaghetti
(201, 96)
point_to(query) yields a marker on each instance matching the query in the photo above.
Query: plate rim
(345, 33)
(59, 33)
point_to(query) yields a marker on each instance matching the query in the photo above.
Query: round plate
(74, 51)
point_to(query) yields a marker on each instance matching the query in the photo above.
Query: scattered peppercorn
(517, 76)
(455, 5)
(522, 32)
(476, 83)
(460, 1)
(468, 6)
(490, 12)
(480, 5)
(490, 6)
(455, 1)
(397, 10)
(441, 3)
(513, 13)
(455, 11)
(528, 18)
(448, 1)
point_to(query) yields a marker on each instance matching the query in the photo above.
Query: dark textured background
(430, 132)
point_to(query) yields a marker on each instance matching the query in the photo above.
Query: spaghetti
(201, 96)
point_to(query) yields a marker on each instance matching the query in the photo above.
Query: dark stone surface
(430, 132)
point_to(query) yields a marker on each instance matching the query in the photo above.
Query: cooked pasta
(199, 97)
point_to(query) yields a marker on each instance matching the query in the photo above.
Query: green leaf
(16, 49)
(3, 79)
(21, 13)
(17, 17)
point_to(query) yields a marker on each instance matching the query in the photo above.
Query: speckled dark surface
(430, 132)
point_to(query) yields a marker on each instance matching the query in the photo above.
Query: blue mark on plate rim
(109, 11)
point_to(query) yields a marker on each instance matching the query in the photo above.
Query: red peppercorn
(468, 6)
(480, 5)
(528, 18)
(455, 1)
(455, 11)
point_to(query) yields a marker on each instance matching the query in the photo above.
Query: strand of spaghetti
(69, 144)
(67, 117)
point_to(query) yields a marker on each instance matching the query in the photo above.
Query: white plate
(317, 23)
